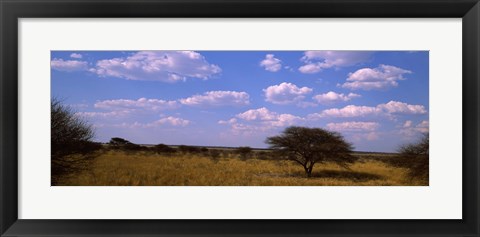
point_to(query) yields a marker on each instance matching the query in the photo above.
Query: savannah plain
(229, 167)
(298, 156)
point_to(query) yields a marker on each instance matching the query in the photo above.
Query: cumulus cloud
(353, 126)
(268, 117)
(161, 123)
(270, 63)
(357, 130)
(76, 55)
(382, 77)
(286, 93)
(230, 121)
(369, 136)
(258, 114)
(316, 61)
(423, 126)
(410, 130)
(68, 65)
(104, 115)
(407, 124)
(218, 98)
(395, 107)
(259, 120)
(142, 104)
(332, 97)
(390, 108)
(173, 121)
(167, 66)
(348, 111)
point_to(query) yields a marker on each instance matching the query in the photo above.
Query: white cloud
(230, 121)
(140, 104)
(409, 130)
(257, 114)
(353, 126)
(270, 63)
(348, 111)
(286, 93)
(332, 97)
(423, 126)
(388, 109)
(315, 61)
(395, 107)
(370, 136)
(104, 115)
(68, 65)
(268, 118)
(218, 98)
(259, 120)
(76, 55)
(167, 66)
(382, 77)
(163, 122)
(407, 124)
(173, 121)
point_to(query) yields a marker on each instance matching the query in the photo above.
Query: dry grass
(115, 168)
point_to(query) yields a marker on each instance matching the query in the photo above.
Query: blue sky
(377, 99)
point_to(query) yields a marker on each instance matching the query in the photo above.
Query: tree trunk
(307, 171)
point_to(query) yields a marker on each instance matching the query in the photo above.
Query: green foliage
(308, 146)
(70, 136)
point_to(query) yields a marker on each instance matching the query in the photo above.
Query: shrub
(188, 149)
(245, 152)
(162, 148)
(71, 141)
(415, 158)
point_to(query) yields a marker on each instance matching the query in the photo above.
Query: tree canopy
(415, 158)
(309, 146)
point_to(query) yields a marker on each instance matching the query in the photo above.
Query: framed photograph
(253, 118)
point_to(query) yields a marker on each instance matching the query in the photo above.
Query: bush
(123, 144)
(264, 155)
(162, 148)
(415, 158)
(245, 152)
(71, 141)
(215, 154)
(188, 149)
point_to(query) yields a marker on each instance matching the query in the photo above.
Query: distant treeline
(196, 148)
(243, 152)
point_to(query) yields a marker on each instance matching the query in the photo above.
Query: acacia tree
(70, 135)
(309, 146)
(415, 158)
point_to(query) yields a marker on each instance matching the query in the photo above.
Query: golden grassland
(117, 168)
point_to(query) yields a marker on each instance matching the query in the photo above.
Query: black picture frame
(12, 10)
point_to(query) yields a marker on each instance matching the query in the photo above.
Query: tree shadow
(346, 174)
